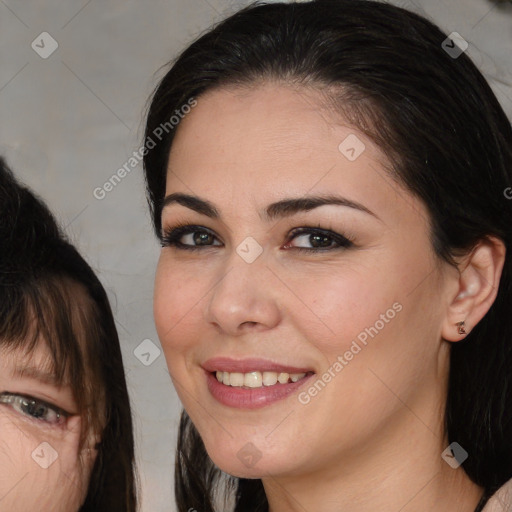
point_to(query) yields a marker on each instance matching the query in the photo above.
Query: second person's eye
(34, 408)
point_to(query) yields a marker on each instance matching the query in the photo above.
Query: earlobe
(477, 287)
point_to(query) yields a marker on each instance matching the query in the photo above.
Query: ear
(477, 287)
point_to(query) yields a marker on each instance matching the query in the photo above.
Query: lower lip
(252, 398)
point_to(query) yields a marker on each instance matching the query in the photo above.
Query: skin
(26, 480)
(372, 438)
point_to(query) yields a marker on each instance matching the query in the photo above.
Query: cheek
(176, 304)
(165, 299)
(377, 325)
(14, 450)
(22, 453)
(39, 468)
(339, 304)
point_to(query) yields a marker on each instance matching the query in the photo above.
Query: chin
(248, 462)
(240, 470)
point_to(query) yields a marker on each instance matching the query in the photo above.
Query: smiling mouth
(257, 379)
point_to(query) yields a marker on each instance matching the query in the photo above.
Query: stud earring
(461, 328)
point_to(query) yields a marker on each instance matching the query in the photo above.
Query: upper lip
(226, 364)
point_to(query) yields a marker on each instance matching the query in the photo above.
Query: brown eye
(318, 239)
(188, 238)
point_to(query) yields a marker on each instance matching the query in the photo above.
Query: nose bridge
(242, 294)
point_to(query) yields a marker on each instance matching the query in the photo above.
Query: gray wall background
(69, 121)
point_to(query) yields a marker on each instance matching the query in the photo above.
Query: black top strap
(483, 501)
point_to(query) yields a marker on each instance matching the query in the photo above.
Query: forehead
(36, 363)
(261, 129)
(250, 146)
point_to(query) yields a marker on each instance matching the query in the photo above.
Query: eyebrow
(32, 372)
(282, 208)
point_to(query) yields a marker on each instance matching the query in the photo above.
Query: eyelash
(18, 402)
(172, 236)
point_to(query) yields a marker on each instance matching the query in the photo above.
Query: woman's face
(362, 319)
(41, 467)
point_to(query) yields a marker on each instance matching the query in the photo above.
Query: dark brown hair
(49, 294)
(449, 143)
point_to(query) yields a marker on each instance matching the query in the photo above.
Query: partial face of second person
(242, 150)
(42, 465)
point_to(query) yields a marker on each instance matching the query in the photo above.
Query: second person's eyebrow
(282, 208)
(42, 375)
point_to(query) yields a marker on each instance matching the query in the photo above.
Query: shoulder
(501, 500)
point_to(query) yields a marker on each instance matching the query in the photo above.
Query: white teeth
(236, 379)
(283, 378)
(253, 380)
(257, 379)
(269, 378)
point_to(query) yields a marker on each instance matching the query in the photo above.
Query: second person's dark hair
(48, 291)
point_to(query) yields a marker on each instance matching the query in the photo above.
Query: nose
(244, 298)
